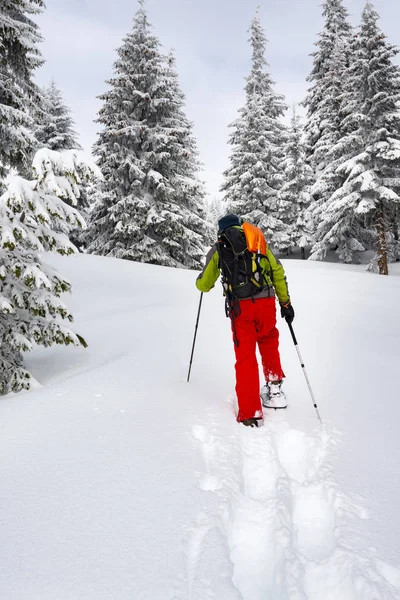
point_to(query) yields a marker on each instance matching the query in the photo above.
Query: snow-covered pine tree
(322, 102)
(294, 196)
(367, 199)
(215, 209)
(19, 95)
(339, 228)
(55, 127)
(31, 311)
(55, 130)
(324, 123)
(151, 206)
(255, 175)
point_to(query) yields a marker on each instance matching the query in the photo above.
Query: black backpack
(242, 276)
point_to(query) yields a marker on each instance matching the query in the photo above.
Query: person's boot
(250, 422)
(272, 395)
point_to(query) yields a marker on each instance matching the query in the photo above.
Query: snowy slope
(120, 481)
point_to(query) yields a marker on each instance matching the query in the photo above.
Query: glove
(287, 312)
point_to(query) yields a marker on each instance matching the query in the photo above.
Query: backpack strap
(232, 306)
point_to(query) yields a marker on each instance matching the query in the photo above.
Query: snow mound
(124, 481)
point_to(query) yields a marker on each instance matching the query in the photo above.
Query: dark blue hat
(228, 221)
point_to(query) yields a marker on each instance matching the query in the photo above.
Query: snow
(121, 480)
(67, 161)
(5, 306)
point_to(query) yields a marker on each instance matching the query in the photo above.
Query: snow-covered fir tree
(323, 99)
(255, 175)
(151, 207)
(328, 149)
(19, 95)
(368, 197)
(324, 124)
(55, 127)
(55, 130)
(294, 196)
(350, 236)
(31, 311)
(215, 209)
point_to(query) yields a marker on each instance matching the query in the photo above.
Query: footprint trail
(283, 521)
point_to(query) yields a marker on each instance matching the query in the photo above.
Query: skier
(251, 276)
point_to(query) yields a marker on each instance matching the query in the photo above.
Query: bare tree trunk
(303, 253)
(395, 231)
(395, 228)
(382, 242)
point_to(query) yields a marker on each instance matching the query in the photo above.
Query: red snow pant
(256, 325)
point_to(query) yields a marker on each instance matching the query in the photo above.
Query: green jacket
(272, 269)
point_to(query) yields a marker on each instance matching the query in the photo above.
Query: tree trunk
(395, 228)
(395, 231)
(382, 242)
(303, 253)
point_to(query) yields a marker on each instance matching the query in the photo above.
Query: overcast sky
(210, 38)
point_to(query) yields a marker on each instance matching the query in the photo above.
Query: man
(251, 276)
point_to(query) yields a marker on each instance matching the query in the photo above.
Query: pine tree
(55, 129)
(336, 226)
(255, 175)
(31, 311)
(215, 209)
(151, 205)
(323, 101)
(19, 95)
(368, 198)
(324, 125)
(294, 196)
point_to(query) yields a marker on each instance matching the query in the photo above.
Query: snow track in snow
(285, 524)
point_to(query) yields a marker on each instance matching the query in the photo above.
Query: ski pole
(304, 371)
(195, 334)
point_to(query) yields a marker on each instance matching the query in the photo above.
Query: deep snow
(122, 481)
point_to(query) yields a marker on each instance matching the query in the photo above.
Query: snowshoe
(272, 395)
